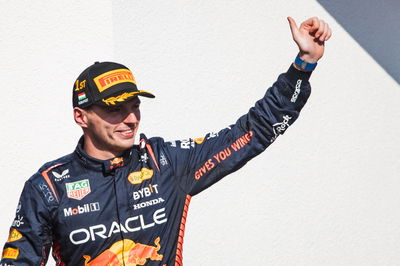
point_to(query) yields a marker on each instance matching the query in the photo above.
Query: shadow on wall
(375, 25)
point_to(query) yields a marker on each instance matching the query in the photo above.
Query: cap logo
(113, 77)
(80, 85)
(82, 98)
(119, 98)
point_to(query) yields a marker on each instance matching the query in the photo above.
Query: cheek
(98, 126)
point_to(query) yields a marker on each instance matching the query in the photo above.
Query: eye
(135, 105)
(114, 110)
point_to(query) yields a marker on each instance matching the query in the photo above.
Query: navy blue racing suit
(131, 210)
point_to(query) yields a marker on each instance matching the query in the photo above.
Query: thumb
(293, 27)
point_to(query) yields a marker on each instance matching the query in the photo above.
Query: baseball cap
(106, 84)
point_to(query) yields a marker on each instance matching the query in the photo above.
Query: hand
(310, 38)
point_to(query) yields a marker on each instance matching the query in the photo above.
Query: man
(111, 202)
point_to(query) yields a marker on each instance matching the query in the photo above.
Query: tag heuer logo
(78, 190)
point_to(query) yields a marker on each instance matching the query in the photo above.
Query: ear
(80, 117)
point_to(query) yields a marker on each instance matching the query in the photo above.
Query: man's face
(111, 130)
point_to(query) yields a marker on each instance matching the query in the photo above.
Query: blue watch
(304, 65)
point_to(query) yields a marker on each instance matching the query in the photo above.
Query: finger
(329, 34)
(311, 24)
(293, 26)
(320, 29)
(324, 33)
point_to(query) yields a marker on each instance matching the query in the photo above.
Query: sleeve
(199, 163)
(29, 240)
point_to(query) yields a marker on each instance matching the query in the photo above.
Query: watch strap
(304, 64)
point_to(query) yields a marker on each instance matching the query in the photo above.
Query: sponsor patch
(46, 192)
(78, 190)
(212, 135)
(280, 128)
(199, 140)
(10, 253)
(116, 162)
(139, 176)
(163, 159)
(80, 85)
(187, 143)
(148, 203)
(223, 155)
(127, 252)
(113, 77)
(14, 235)
(63, 175)
(86, 208)
(81, 96)
(145, 192)
(144, 158)
(131, 224)
(296, 91)
(18, 221)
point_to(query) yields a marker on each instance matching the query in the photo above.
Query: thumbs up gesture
(310, 37)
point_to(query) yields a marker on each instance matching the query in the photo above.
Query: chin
(126, 144)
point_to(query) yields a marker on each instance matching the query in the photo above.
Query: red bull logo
(116, 162)
(126, 252)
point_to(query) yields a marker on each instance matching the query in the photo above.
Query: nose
(132, 117)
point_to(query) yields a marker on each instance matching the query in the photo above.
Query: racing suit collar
(106, 166)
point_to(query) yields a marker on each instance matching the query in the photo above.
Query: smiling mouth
(129, 133)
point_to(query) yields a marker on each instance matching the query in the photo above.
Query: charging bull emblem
(116, 162)
(126, 252)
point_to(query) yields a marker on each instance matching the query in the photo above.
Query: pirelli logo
(113, 77)
(10, 253)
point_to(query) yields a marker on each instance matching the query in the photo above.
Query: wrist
(308, 58)
(304, 65)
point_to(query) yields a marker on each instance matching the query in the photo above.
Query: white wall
(44, 47)
(324, 194)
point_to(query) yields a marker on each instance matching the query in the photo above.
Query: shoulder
(155, 142)
(57, 167)
(43, 180)
(58, 163)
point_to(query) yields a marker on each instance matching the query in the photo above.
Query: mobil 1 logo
(80, 209)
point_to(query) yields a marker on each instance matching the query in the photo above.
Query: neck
(96, 151)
